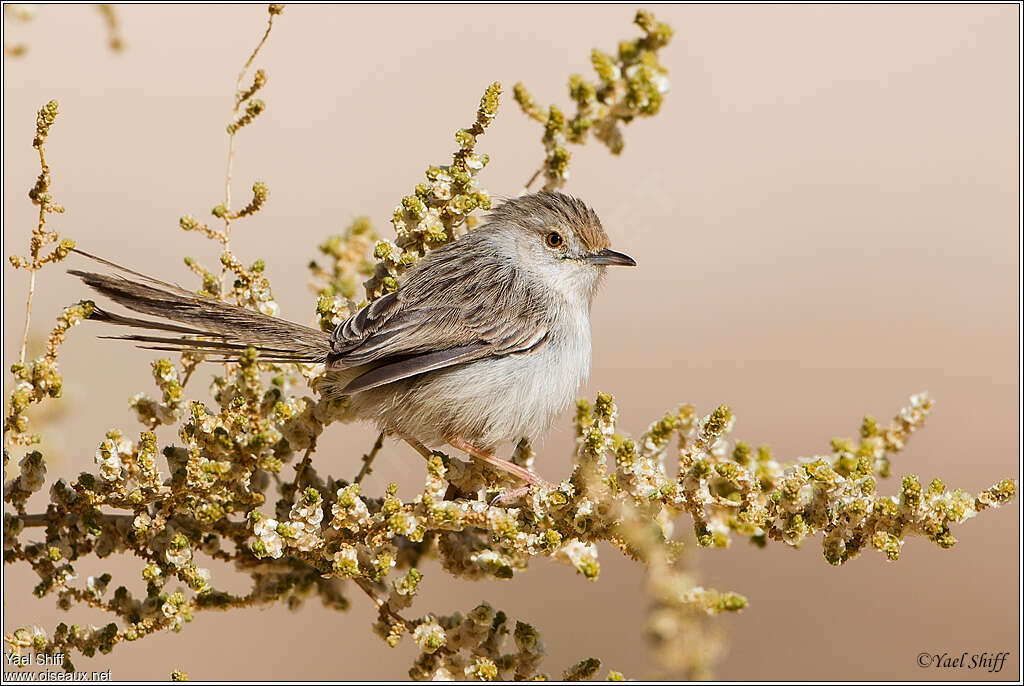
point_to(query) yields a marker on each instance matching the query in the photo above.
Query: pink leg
(510, 467)
(452, 492)
(417, 446)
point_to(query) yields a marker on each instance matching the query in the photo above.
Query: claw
(509, 496)
(504, 465)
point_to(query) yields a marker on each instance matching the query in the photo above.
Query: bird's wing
(442, 318)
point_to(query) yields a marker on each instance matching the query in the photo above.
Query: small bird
(485, 342)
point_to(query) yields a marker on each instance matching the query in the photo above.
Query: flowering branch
(224, 490)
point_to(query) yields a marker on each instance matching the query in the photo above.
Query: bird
(486, 340)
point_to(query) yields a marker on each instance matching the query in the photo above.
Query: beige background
(825, 217)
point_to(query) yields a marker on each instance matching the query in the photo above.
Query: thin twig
(114, 40)
(526, 188)
(43, 519)
(231, 135)
(36, 245)
(188, 375)
(301, 467)
(28, 314)
(382, 605)
(273, 10)
(369, 457)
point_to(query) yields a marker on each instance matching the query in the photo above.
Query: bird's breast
(569, 351)
(491, 401)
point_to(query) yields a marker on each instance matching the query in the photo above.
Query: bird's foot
(504, 465)
(509, 496)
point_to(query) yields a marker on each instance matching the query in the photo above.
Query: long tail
(204, 324)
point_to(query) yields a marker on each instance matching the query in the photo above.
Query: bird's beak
(611, 257)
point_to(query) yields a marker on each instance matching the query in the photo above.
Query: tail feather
(196, 344)
(101, 315)
(232, 329)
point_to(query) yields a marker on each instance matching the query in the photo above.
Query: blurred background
(825, 214)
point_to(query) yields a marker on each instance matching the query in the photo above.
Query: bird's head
(559, 240)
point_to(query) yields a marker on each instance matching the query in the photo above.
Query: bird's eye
(554, 240)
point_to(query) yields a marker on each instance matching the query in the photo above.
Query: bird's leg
(453, 491)
(416, 445)
(491, 459)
